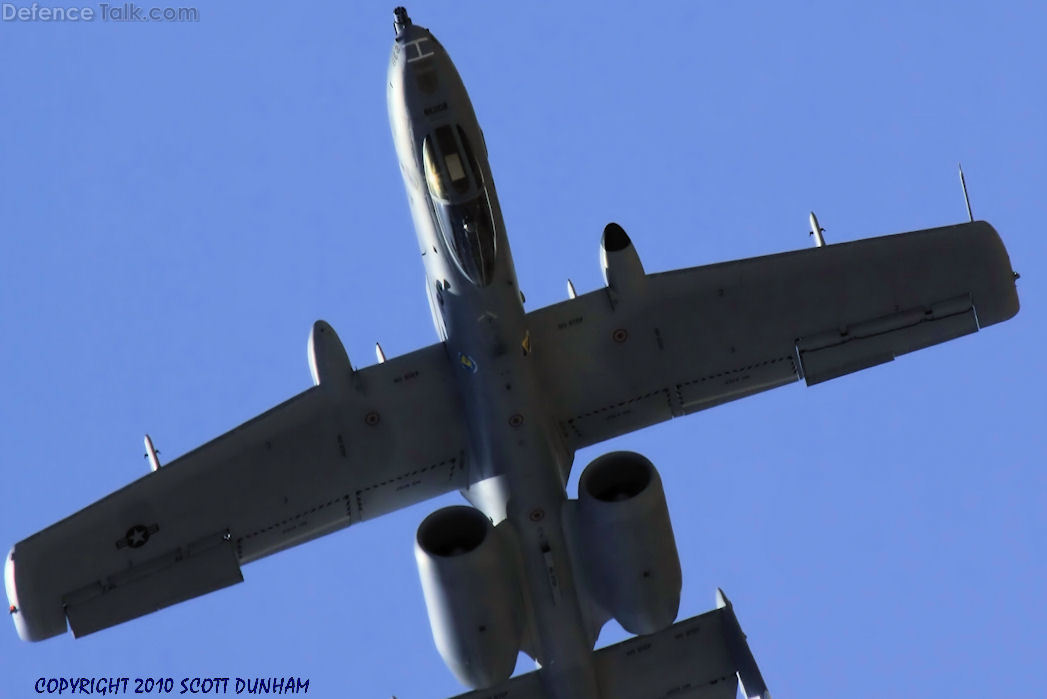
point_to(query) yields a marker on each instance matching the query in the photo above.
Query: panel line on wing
(360, 492)
(620, 404)
(405, 475)
(739, 370)
(621, 408)
(294, 517)
(734, 383)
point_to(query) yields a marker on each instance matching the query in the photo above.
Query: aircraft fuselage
(518, 463)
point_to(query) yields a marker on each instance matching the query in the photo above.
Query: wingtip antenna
(966, 199)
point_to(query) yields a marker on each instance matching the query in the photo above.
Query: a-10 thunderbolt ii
(496, 409)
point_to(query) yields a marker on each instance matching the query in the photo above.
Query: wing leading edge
(694, 338)
(337, 454)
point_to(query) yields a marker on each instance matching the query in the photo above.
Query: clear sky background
(179, 202)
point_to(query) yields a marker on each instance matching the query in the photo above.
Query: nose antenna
(400, 19)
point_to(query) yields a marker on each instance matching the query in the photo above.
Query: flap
(179, 575)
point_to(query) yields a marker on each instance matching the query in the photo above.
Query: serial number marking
(563, 325)
(407, 376)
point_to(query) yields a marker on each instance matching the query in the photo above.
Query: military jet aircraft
(496, 409)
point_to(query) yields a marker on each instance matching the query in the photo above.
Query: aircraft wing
(387, 437)
(690, 339)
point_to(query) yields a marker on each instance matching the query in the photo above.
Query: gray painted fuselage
(517, 460)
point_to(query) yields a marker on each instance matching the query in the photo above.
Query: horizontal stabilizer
(700, 658)
(753, 686)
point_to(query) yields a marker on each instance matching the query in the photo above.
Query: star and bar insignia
(137, 536)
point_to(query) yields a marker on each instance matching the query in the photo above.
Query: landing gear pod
(622, 270)
(327, 358)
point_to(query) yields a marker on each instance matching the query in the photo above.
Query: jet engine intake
(627, 543)
(471, 584)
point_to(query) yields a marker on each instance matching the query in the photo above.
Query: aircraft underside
(497, 409)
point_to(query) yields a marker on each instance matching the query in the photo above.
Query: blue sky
(179, 202)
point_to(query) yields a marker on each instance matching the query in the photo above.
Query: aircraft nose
(407, 32)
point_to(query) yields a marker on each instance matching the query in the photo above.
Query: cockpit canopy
(445, 164)
(460, 202)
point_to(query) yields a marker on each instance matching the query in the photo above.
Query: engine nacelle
(622, 270)
(470, 580)
(627, 542)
